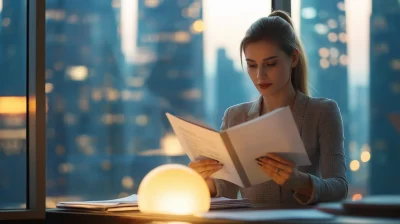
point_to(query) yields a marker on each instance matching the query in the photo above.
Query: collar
(298, 110)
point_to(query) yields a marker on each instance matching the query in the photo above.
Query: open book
(239, 146)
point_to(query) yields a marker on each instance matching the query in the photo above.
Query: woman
(277, 66)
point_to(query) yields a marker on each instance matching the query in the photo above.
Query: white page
(132, 200)
(200, 143)
(275, 132)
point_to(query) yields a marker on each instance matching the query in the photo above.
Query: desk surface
(77, 217)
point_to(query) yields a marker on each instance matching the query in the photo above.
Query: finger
(281, 173)
(208, 173)
(275, 169)
(275, 163)
(277, 177)
(203, 162)
(265, 170)
(280, 178)
(271, 172)
(280, 159)
(201, 169)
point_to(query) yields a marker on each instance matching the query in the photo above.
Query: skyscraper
(230, 84)
(385, 97)
(323, 33)
(170, 45)
(86, 121)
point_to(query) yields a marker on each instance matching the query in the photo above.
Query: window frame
(36, 125)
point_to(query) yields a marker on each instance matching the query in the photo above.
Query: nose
(261, 72)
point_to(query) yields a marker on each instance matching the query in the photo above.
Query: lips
(264, 85)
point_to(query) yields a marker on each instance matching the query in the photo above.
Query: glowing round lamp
(173, 189)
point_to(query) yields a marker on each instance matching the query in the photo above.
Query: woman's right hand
(207, 167)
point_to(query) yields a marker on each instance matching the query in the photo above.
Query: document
(239, 146)
(130, 203)
(121, 204)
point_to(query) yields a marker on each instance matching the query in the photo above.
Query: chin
(268, 92)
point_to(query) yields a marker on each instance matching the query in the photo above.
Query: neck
(283, 98)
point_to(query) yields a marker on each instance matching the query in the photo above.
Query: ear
(295, 58)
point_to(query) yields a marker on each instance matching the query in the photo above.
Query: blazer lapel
(255, 109)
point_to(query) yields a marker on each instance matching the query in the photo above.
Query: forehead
(261, 49)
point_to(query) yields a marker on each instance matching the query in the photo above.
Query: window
(119, 66)
(13, 112)
(22, 110)
(107, 89)
(352, 49)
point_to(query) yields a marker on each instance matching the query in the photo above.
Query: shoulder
(322, 105)
(326, 112)
(236, 114)
(242, 108)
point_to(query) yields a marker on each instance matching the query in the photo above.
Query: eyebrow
(265, 59)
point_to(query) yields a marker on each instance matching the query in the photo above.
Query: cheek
(280, 74)
(253, 74)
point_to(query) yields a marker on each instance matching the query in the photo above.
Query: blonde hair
(278, 27)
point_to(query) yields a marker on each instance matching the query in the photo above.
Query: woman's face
(269, 67)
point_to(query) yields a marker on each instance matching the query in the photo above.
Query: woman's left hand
(282, 171)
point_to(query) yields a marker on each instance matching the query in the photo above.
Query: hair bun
(282, 14)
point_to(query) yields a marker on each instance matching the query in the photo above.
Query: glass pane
(113, 68)
(13, 164)
(354, 59)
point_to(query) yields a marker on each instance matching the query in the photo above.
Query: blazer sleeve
(225, 188)
(333, 184)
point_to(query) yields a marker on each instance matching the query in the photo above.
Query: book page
(202, 143)
(132, 200)
(272, 133)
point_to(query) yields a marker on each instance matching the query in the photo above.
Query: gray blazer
(320, 125)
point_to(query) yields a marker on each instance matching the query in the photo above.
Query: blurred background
(114, 67)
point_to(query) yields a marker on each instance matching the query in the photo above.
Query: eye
(251, 65)
(271, 64)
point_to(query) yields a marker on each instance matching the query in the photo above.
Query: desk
(76, 217)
